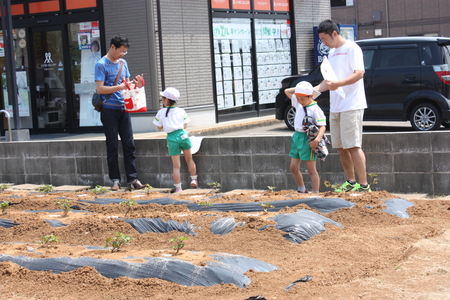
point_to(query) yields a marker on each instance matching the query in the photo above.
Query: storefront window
(22, 78)
(233, 63)
(233, 52)
(84, 44)
(273, 56)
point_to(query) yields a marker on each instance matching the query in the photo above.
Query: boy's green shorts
(178, 140)
(300, 148)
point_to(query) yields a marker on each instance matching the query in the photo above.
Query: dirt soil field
(376, 255)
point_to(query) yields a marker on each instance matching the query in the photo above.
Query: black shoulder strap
(306, 112)
(116, 80)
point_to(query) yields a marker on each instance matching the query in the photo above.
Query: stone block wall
(412, 162)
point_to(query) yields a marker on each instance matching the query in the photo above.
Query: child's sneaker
(345, 187)
(177, 190)
(305, 192)
(194, 183)
(360, 188)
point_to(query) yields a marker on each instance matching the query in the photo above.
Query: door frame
(67, 80)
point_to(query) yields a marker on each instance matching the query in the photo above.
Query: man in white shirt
(346, 113)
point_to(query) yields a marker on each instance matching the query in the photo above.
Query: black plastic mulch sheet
(229, 270)
(301, 225)
(223, 226)
(398, 207)
(159, 226)
(55, 223)
(7, 223)
(323, 205)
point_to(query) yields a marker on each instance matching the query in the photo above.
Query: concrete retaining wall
(415, 162)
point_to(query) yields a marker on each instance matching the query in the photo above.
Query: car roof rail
(443, 41)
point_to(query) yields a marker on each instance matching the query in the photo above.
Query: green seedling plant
(179, 243)
(215, 186)
(374, 178)
(129, 204)
(65, 205)
(271, 188)
(3, 187)
(147, 188)
(332, 186)
(4, 206)
(205, 204)
(48, 239)
(117, 241)
(266, 206)
(99, 190)
(46, 188)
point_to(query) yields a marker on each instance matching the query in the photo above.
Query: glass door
(84, 52)
(50, 88)
(22, 79)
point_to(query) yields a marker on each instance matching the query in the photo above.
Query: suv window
(368, 58)
(394, 58)
(428, 53)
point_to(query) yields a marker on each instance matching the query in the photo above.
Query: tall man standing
(346, 114)
(111, 72)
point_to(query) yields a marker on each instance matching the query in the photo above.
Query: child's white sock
(177, 185)
(315, 192)
(301, 189)
(193, 177)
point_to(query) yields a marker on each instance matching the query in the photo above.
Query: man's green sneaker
(345, 187)
(359, 188)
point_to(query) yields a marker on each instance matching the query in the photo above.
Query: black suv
(406, 78)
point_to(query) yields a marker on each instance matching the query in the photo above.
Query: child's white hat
(303, 88)
(171, 93)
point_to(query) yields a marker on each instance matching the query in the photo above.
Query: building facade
(392, 18)
(227, 57)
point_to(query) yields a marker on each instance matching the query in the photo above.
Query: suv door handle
(410, 77)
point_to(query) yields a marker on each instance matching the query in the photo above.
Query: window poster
(262, 5)
(273, 57)
(220, 4)
(89, 46)
(241, 4)
(232, 44)
(281, 5)
(84, 40)
(23, 94)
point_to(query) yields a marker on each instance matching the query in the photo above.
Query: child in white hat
(302, 98)
(173, 120)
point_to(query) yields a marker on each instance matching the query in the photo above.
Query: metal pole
(10, 62)
(152, 55)
(9, 123)
(387, 18)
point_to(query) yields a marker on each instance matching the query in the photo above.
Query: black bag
(97, 101)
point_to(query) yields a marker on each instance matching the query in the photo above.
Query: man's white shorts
(346, 129)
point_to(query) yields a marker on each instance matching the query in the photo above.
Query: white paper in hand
(316, 94)
(328, 74)
(196, 143)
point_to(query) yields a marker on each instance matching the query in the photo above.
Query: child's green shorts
(300, 148)
(178, 140)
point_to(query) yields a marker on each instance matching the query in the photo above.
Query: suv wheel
(289, 116)
(425, 117)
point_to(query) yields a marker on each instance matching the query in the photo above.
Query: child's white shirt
(314, 111)
(175, 120)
